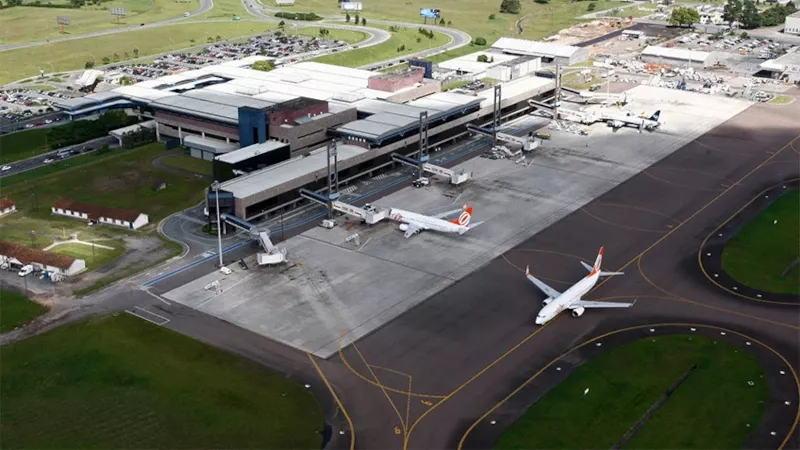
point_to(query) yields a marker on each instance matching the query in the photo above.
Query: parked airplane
(557, 302)
(618, 121)
(413, 223)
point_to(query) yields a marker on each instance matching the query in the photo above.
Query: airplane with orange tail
(412, 223)
(570, 299)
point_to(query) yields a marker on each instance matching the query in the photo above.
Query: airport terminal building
(267, 132)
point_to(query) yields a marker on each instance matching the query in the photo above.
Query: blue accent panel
(252, 126)
(427, 65)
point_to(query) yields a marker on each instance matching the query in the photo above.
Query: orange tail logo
(464, 218)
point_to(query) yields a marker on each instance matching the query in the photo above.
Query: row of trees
(83, 130)
(347, 18)
(746, 13)
(684, 16)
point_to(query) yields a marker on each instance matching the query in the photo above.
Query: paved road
(38, 161)
(7, 126)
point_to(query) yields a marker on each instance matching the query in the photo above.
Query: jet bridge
(273, 255)
(528, 143)
(456, 176)
(368, 214)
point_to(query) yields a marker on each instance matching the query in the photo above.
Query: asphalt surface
(39, 160)
(7, 126)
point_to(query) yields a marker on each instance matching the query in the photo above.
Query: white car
(48, 121)
(26, 270)
(48, 160)
(30, 125)
(4, 168)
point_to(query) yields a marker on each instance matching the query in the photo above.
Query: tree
(492, 17)
(264, 66)
(363, 21)
(442, 22)
(347, 17)
(281, 24)
(732, 11)
(419, 39)
(89, 64)
(116, 57)
(449, 23)
(218, 38)
(14, 2)
(126, 81)
(510, 6)
(683, 16)
(106, 60)
(483, 58)
(324, 32)
(542, 2)
(357, 19)
(136, 52)
(480, 41)
(192, 41)
(591, 7)
(744, 35)
(209, 39)
(750, 16)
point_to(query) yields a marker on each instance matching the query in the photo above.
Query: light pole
(215, 187)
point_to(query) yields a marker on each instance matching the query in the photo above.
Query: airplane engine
(577, 312)
(547, 301)
(403, 227)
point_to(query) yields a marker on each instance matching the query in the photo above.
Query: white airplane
(413, 223)
(618, 121)
(557, 302)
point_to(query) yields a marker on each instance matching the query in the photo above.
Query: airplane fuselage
(566, 299)
(426, 222)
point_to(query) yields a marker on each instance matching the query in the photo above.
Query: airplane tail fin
(596, 268)
(464, 218)
(656, 115)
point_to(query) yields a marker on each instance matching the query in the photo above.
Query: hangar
(677, 56)
(560, 54)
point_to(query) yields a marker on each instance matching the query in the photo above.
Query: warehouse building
(679, 57)
(499, 66)
(549, 52)
(100, 214)
(15, 256)
(792, 24)
(786, 67)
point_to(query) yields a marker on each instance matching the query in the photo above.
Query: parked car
(48, 161)
(4, 168)
(420, 182)
(328, 223)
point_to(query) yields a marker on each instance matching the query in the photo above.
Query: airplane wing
(448, 213)
(413, 228)
(550, 292)
(588, 304)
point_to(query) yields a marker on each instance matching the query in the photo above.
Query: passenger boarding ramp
(273, 255)
(456, 176)
(528, 143)
(368, 213)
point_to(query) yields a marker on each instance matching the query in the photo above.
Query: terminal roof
(251, 151)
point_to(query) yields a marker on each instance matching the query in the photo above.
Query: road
(38, 161)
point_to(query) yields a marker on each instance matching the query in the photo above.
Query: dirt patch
(118, 182)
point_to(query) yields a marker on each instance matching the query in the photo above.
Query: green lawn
(23, 144)
(186, 162)
(17, 310)
(124, 180)
(759, 254)
(72, 55)
(781, 100)
(226, 9)
(349, 36)
(94, 258)
(386, 50)
(575, 80)
(472, 16)
(709, 410)
(121, 382)
(54, 167)
(26, 24)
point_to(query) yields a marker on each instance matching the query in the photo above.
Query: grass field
(781, 100)
(72, 55)
(759, 254)
(120, 382)
(125, 181)
(472, 16)
(16, 310)
(386, 50)
(226, 9)
(709, 410)
(23, 144)
(52, 168)
(186, 162)
(574, 80)
(26, 24)
(349, 36)
(94, 258)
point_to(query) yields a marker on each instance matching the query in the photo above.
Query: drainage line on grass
(653, 408)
